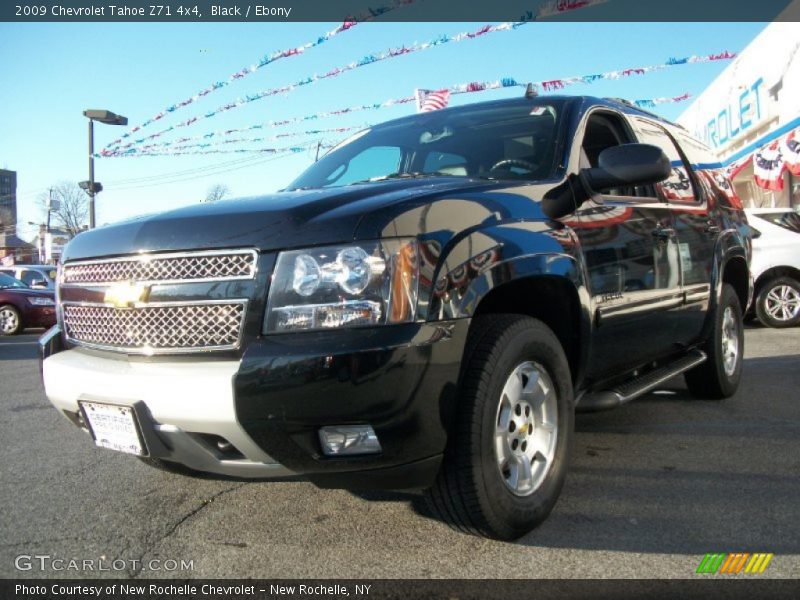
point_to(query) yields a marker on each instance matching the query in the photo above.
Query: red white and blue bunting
(771, 161)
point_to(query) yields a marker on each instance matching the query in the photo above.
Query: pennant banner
(276, 151)
(181, 145)
(117, 148)
(364, 61)
(267, 59)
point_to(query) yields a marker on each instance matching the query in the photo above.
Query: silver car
(42, 277)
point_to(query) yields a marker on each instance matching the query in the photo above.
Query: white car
(776, 265)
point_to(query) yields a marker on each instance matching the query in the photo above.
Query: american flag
(433, 100)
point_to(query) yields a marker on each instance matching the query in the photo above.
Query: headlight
(370, 283)
(40, 301)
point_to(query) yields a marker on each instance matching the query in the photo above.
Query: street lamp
(109, 118)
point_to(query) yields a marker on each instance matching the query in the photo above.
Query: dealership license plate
(114, 427)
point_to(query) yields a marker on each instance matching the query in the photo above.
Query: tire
(778, 302)
(718, 377)
(10, 320)
(476, 490)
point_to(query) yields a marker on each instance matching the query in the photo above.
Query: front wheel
(719, 376)
(507, 458)
(778, 303)
(10, 320)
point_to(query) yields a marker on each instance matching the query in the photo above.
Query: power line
(253, 163)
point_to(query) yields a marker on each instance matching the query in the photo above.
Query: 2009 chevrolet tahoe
(424, 308)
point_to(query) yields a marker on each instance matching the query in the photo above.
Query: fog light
(340, 440)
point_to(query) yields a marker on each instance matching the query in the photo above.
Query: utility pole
(49, 207)
(91, 174)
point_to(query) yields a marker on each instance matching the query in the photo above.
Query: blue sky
(52, 72)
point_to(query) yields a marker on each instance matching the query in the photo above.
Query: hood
(276, 221)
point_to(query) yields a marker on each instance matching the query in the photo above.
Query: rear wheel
(719, 376)
(508, 454)
(10, 320)
(778, 302)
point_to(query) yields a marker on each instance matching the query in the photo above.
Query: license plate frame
(129, 438)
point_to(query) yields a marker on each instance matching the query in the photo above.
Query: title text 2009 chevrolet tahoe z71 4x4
(424, 308)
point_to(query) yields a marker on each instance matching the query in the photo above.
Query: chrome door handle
(712, 228)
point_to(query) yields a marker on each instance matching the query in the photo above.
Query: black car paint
(475, 236)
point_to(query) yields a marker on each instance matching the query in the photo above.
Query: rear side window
(678, 187)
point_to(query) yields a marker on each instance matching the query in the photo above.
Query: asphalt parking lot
(653, 487)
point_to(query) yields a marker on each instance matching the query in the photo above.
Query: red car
(21, 306)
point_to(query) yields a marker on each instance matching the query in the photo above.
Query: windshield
(512, 141)
(6, 281)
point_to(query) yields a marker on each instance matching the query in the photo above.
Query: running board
(638, 386)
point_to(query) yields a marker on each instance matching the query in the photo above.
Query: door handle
(712, 227)
(663, 233)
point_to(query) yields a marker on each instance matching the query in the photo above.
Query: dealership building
(750, 115)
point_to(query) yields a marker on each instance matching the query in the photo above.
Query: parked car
(776, 265)
(424, 308)
(35, 276)
(21, 306)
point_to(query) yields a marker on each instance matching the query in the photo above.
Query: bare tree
(217, 192)
(70, 207)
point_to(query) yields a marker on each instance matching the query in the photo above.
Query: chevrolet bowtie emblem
(126, 294)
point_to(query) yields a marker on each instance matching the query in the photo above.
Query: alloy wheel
(783, 303)
(526, 428)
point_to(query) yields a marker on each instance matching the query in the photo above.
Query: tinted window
(509, 141)
(373, 162)
(678, 187)
(29, 276)
(445, 162)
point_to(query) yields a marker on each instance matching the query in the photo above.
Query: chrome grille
(156, 328)
(164, 268)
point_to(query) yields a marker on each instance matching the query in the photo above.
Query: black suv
(424, 308)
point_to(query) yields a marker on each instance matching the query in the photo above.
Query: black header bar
(402, 10)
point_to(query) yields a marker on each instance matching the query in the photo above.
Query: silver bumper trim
(175, 400)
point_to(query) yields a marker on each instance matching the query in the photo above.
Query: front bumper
(181, 406)
(270, 405)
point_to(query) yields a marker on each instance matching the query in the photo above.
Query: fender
(730, 245)
(483, 260)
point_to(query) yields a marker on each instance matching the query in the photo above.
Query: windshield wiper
(404, 175)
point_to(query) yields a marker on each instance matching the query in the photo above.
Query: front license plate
(114, 427)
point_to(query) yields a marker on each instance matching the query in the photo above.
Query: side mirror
(39, 284)
(627, 165)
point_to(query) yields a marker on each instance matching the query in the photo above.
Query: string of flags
(268, 150)
(183, 143)
(506, 82)
(528, 17)
(772, 160)
(182, 146)
(270, 58)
